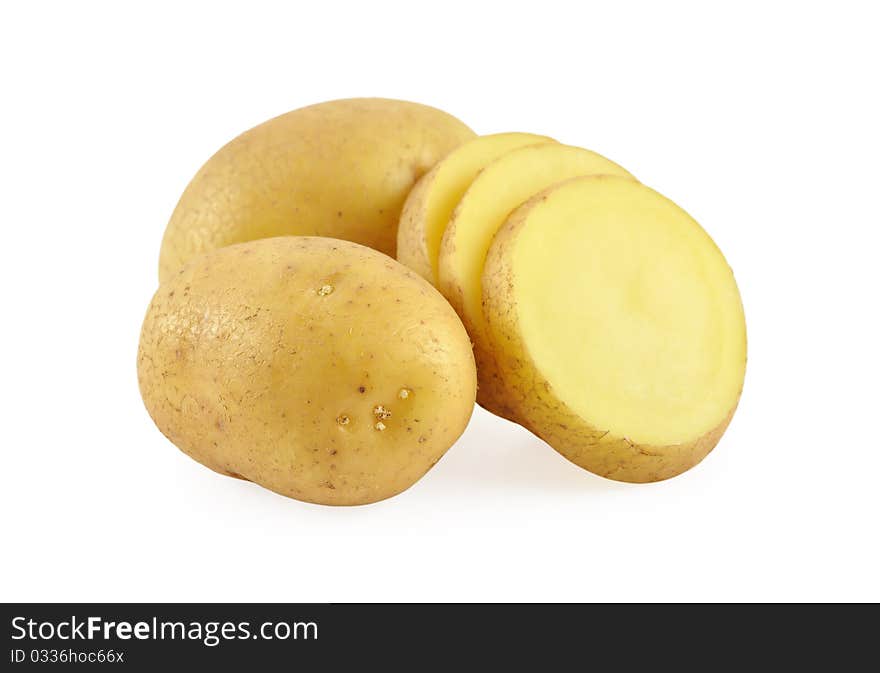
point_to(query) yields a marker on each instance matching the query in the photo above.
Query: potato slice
(619, 328)
(502, 186)
(429, 206)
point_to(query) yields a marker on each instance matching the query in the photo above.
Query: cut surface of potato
(429, 206)
(618, 326)
(500, 188)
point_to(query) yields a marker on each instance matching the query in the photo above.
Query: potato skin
(492, 393)
(531, 399)
(412, 245)
(340, 169)
(318, 368)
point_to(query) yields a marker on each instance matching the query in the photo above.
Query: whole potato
(318, 368)
(341, 169)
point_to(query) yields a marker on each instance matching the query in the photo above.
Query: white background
(761, 119)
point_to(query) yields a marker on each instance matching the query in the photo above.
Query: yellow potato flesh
(620, 310)
(630, 311)
(501, 187)
(430, 204)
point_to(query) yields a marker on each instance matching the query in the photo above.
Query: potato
(502, 186)
(340, 169)
(429, 206)
(618, 328)
(318, 368)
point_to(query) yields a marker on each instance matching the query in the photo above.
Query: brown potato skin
(253, 368)
(534, 405)
(340, 169)
(411, 246)
(492, 393)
